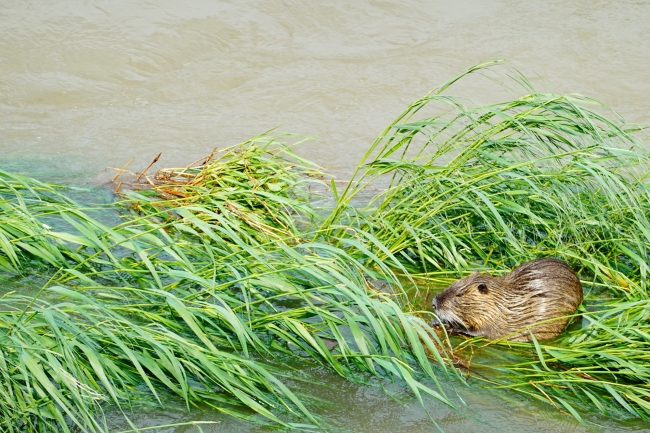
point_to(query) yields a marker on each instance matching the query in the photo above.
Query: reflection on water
(86, 85)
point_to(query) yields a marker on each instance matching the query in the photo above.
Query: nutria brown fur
(497, 307)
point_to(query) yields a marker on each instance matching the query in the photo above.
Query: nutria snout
(496, 307)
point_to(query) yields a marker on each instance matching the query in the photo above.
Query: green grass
(197, 296)
(495, 185)
(542, 175)
(222, 271)
(604, 365)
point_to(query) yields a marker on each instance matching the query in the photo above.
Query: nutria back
(496, 307)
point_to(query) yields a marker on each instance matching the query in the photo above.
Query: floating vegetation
(220, 271)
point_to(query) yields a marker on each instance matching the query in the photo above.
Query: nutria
(497, 307)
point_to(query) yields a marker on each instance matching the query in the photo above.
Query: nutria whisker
(450, 318)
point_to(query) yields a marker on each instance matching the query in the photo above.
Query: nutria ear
(482, 288)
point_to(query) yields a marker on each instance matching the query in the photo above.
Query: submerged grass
(25, 238)
(219, 269)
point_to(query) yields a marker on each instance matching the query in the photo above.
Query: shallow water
(88, 85)
(367, 409)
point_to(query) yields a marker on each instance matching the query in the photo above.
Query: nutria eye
(459, 294)
(482, 288)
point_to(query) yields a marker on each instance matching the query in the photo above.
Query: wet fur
(496, 307)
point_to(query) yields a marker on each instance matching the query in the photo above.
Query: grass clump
(496, 185)
(62, 361)
(259, 183)
(189, 297)
(541, 175)
(25, 237)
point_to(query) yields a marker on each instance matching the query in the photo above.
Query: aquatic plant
(476, 187)
(25, 237)
(198, 295)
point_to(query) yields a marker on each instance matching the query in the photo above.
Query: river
(88, 85)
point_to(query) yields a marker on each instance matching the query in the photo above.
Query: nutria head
(470, 305)
(496, 307)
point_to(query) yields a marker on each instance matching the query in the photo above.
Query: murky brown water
(86, 85)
